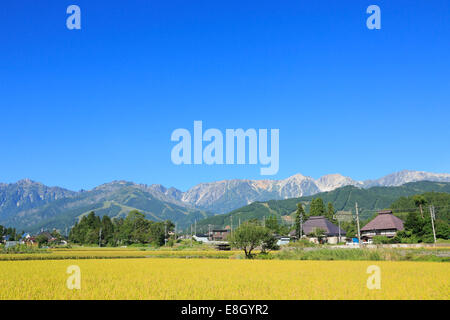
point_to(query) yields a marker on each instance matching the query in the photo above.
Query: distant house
(201, 237)
(10, 244)
(331, 231)
(27, 239)
(47, 235)
(384, 224)
(220, 234)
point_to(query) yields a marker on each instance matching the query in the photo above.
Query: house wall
(387, 233)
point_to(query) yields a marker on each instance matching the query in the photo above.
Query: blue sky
(84, 107)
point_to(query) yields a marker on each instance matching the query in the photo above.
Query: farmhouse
(384, 224)
(331, 231)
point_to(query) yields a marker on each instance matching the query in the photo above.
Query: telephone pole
(165, 233)
(433, 216)
(357, 222)
(301, 226)
(264, 221)
(100, 237)
(231, 224)
(335, 216)
(175, 231)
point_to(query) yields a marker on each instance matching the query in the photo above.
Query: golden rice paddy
(222, 279)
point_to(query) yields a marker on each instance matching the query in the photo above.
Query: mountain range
(30, 206)
(343, 199)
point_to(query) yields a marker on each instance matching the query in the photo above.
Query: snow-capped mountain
(27, 202)
(226, 195)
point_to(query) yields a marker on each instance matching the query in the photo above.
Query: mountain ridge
(29, 204)
(343, 199)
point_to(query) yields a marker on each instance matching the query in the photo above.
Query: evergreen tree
(299, 215)
(272, 224)
(330, 213)
(107, 235)
(419, 201)
(317, 207)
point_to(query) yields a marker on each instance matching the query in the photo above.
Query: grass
(379, 254)
(438, 254)
(112, 253)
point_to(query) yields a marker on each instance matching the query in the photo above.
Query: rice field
(117, 254)
(222, 279)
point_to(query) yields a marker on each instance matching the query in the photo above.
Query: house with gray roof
(384, 224)
(331, 231)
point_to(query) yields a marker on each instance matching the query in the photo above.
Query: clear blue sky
(84, 107)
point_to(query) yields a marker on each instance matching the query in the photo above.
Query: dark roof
(321, 222)
(46, 234)
(383, 221)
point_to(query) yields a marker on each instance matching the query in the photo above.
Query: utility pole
(433, 216)
(165, 233)
(264, 221)
(357, 222)
(239, 221)
(209, 232)
(195, 228)
(100, 237)
(231, 224)
(301, 226)
(192, 243)
(339, 226)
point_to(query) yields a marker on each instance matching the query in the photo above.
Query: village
(316, 230)
(319, 230)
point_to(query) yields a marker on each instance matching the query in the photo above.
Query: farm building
(331, 231)
(220, 234)
(384, 224)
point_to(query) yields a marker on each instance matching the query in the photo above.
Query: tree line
(134, 229)
(417, 223)
(11, 232)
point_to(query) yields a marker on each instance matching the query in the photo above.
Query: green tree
(318, 233)
(350, 228)
(299, 215)
(414, 223)
(42, 240)
(247, 237)
(419, 201)
(107, 235)
(272, 224)
(317, 208)
(330, 213)
(269, 242)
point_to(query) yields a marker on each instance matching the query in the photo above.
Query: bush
(23, 248)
